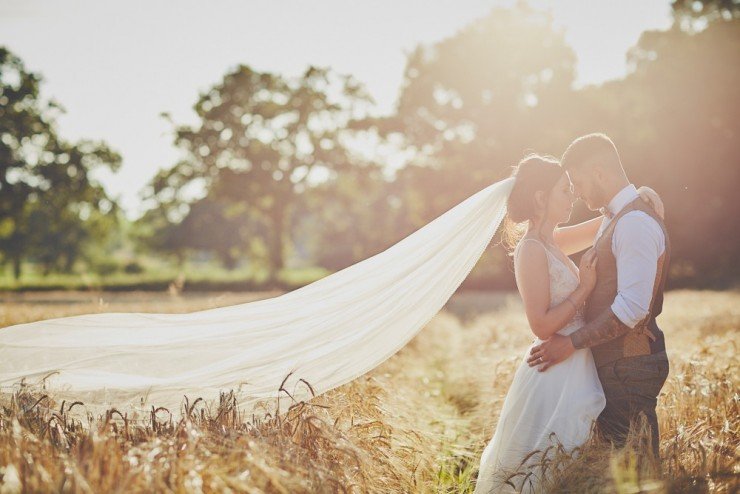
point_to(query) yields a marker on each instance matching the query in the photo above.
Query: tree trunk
(228, 260)
(180, 258)
(276, 242)
(69, 262)
(17, 267)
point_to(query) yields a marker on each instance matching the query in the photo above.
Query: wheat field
(417, 423)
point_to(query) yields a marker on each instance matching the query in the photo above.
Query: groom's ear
(597, 172)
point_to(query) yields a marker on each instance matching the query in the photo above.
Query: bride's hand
(587, 270)
(651, 197)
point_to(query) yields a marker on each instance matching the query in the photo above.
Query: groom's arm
(605, 327)
(637, 244)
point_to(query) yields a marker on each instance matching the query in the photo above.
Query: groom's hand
(548, 353)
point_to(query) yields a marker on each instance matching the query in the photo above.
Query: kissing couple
(599, 357)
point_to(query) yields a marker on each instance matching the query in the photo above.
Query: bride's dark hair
(533, 173)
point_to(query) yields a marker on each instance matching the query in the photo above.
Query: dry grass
(418, 423)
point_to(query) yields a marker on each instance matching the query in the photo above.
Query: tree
(475, 102)
(470, 104)
(674, 119)
(686, 84)
(50, 208)
(262, 140)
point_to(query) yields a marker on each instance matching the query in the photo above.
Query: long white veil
(326, 333)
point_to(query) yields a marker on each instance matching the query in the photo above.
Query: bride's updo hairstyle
(533, 173)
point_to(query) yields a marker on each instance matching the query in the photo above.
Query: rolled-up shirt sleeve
(637, 244)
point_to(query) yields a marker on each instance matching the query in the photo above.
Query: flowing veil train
(326, 333)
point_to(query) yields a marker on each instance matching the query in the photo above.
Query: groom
(633, 252)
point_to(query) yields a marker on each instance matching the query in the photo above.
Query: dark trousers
(631, 386)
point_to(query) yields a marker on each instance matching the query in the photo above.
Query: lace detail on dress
(562, 283)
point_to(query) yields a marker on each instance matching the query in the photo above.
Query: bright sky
(115, 66)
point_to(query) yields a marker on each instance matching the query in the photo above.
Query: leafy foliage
(261, 141)
(50, 208)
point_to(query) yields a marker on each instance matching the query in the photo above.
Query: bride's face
(560, 202)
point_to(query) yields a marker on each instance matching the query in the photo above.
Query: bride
(544, 409)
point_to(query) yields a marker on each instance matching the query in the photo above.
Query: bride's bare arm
(534, 286)
(575, 238)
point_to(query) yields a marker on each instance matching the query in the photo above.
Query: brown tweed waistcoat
(645, 338)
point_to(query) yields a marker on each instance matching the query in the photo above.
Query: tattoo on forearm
(605, 327)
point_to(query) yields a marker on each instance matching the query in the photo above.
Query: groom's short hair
(583, 150)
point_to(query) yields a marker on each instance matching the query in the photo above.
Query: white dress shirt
(637, 243)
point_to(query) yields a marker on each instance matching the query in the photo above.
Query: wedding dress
(324, 334)
(543, 408)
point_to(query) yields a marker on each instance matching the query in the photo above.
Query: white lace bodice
(563, 281)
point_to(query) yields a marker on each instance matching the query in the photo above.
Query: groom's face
(587, 188)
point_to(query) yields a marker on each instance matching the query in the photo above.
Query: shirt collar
(621, 199)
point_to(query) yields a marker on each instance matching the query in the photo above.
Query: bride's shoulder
(529, 243)
(530, 249)
(531, 262)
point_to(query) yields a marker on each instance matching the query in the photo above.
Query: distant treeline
(282, 172)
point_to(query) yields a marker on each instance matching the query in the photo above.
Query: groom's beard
(598, 197)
